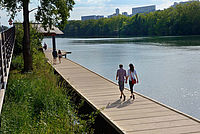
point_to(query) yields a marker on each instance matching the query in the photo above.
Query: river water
(167, 73)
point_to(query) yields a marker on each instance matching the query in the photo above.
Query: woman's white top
(129, 74)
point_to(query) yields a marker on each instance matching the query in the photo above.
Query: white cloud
(107, 7)
(85, 11)
(4, 18)
(98, 1)
(163, 4)
(98, 7)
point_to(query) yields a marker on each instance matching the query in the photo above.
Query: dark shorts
(121, 85)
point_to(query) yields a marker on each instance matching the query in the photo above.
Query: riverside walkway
(141, 116)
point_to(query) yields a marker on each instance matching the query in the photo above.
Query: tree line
(184, 19)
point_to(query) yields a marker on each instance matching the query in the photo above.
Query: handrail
(7, 41)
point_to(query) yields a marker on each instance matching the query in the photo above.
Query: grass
(34, 103)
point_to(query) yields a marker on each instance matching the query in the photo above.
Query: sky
(96, 7)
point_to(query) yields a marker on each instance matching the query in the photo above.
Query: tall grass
(34, 103)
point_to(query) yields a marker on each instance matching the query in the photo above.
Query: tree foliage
(35, 40)
(184, 19)
(49, 12)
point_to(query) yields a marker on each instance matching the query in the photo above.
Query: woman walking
(133, 78)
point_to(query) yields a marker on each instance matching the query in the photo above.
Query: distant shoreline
(189, 40)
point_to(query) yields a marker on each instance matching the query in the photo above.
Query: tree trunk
(26, 39)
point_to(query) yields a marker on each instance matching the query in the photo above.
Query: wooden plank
(160, 125)
(124, 104)
(136, 111)
(140, 115)
(167, 118)
(169, 130)
(115, 107)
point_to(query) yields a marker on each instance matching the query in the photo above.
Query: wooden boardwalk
(2, 91)
(141, 116)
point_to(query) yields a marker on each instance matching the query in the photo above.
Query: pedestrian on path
(45, 46)
(59, 55)
(133, 78)
(55, 55)
(121, 76)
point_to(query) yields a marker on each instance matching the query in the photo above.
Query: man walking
(121, 75)
(55, 55)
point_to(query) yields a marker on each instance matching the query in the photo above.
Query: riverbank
(173, 40)
(36, 102)
(193, 40)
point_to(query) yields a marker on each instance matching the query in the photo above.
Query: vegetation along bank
(37, 102)
(184, 19)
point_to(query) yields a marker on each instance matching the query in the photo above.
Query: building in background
(176, 3)
(117, 11)
(125, 13)
(145, 9)
(115, 14)
(91, 17)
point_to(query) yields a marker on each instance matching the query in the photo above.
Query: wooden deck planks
(142, 116)
(169, 130)
(151, 120)
(160, 125)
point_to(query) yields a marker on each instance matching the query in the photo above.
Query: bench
(64, 53)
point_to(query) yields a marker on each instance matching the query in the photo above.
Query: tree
(49, 12)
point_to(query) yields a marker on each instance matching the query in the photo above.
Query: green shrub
(34, 103)
(17, 62)
(35, 39)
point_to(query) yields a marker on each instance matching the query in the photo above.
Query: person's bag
(132, 80)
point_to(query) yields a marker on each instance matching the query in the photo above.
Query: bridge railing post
(7, 41)
(6, 49)
(4, 53)
(1, 63)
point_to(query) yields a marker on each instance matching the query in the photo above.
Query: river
(169, 74)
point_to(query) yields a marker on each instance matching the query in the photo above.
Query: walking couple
(123, 76)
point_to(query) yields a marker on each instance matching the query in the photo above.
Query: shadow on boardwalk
(119, 103)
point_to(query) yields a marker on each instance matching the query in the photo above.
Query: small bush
(34, 103)
(17, 63)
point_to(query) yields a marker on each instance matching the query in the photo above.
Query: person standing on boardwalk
(55, 55)
(45, 46)
(59, 55)
(121, 76)
(131, 74)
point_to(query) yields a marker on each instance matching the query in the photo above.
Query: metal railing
(7, 41)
